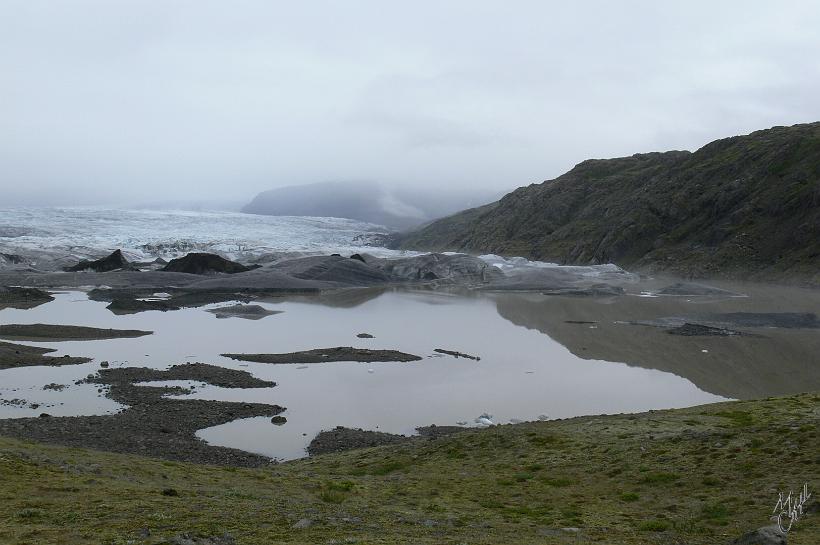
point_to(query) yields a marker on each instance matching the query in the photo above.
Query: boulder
(767, 535)
(203, 263)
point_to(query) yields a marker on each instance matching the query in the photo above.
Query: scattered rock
(55, 387)
(301, 524)
(153, 424)
(278, 420)
(365, 336)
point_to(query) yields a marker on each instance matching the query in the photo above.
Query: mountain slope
(746, 206)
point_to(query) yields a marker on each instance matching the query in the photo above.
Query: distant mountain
(366, 201)
(743, 207)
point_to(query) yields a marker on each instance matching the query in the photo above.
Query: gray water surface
(524, 372)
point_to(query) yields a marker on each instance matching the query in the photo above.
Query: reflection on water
(545, 367)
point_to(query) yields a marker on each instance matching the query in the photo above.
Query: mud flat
(153, 425)
(321, 355)
(18, 355)
(49, 332)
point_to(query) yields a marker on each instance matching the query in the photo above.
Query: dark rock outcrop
(113, 262)
(203, 263)
(747, 206)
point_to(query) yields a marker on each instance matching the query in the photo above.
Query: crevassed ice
(85, 232)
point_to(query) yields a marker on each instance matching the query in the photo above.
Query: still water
(524, 373)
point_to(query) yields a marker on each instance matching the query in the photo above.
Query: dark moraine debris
(320, 355)
(598, 290)
(695, 290)
(130, 300)
(365, 336)
(203, 263)
(23, 298)
(113, 262)
(700, 330)
(786, 320)
(334, 268)
(579, 322)
(456, 354)
(448, 269)
(132, 306)
(152, 425)
(201, 372)
(18, 355)
(48, 332)
(341, 439)
(248, 312)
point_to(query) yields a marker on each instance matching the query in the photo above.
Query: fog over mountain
(396, 208)
(147, 101)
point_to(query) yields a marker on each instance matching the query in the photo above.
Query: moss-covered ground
(702, 475)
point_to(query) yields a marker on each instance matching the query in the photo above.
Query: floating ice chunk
(484, 420)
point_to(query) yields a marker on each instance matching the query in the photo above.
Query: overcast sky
(115, 101)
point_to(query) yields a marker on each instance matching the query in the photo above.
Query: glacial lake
(541, 357)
